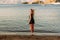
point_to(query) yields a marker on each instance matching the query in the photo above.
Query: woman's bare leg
(32, 27)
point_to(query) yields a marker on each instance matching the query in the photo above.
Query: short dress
(32, 21)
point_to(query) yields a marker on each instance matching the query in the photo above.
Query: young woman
(31, 20)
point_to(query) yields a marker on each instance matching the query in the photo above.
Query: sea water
(15, 17)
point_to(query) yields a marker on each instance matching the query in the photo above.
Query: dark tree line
(57, 0)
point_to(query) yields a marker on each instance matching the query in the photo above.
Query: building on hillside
(49, 1)
(44, 1)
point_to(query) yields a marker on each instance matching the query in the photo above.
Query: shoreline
(29, 33)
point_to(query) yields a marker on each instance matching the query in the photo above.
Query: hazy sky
(26, 0)
(15, 1)
(42, 0)
(12, 1)
(9, 1)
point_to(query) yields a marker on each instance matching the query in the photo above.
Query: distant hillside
(25, 3)
(58, 0)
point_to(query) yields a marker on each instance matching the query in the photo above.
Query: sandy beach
(28, 37)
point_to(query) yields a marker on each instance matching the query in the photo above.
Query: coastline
(29, 33)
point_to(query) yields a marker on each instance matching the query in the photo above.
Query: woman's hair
(32, 11)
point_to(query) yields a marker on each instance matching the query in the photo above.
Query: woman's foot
(32, 33)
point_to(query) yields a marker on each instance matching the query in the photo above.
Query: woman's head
(32, 11)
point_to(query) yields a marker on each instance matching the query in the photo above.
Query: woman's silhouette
(31, 20)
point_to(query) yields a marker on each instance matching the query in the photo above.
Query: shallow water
(15, 17)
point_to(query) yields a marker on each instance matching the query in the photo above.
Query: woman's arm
(29, 18)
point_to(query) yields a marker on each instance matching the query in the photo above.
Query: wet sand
(28, 37)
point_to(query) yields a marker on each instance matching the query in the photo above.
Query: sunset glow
(44, 1)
